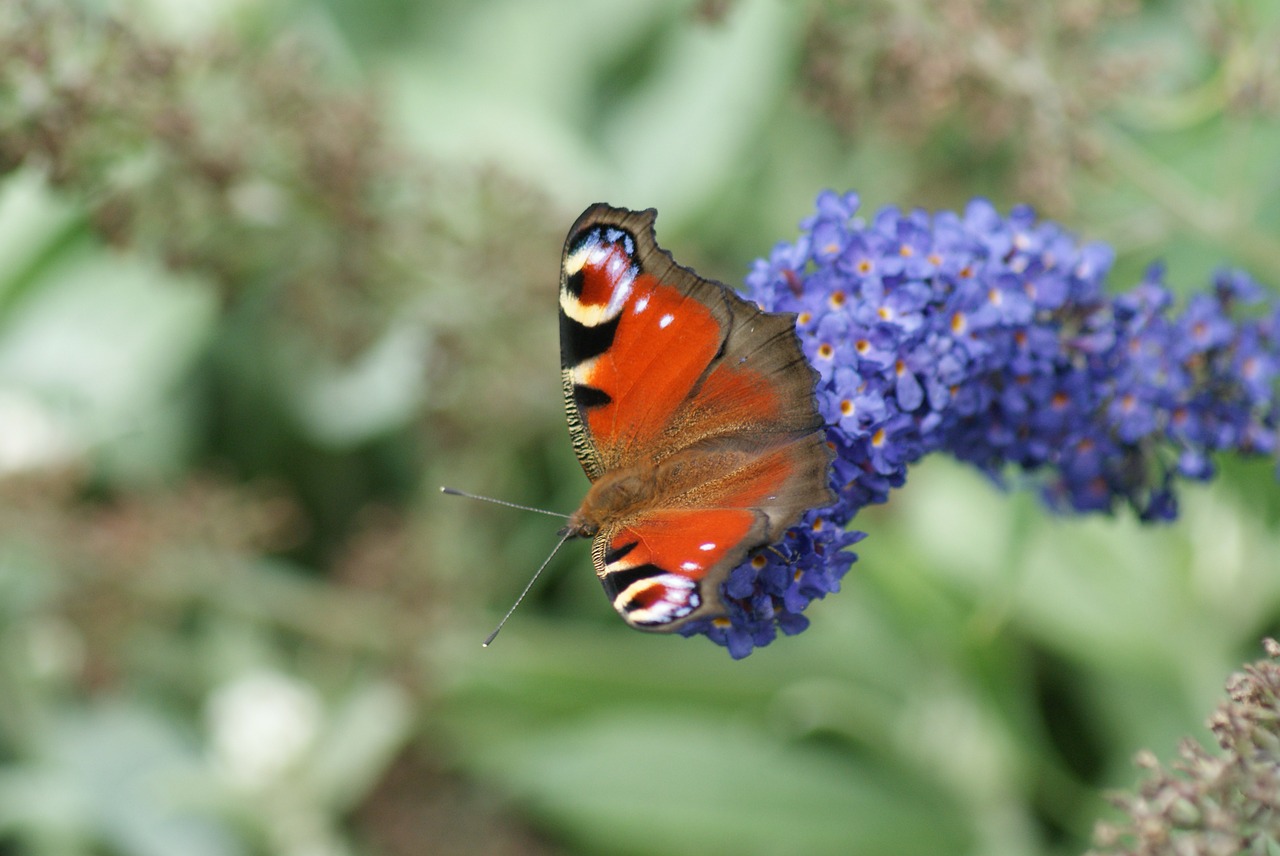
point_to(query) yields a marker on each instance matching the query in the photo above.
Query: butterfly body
(691, 410)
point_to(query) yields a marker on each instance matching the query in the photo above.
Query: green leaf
(94, 350)
(626, 782)
(120, 775)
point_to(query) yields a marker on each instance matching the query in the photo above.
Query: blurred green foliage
(271, 272)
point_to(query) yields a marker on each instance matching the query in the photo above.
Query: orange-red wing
(635, 338)
(662, 345)
(665, 568)
(655, 359)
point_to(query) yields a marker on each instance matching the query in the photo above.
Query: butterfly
(692, 412)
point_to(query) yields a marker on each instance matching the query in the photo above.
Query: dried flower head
(1205, 803)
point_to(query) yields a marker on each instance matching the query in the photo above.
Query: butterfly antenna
(453, 491)
(564, 537)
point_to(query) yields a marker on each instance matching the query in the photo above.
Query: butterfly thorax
(681, 480)
(616, 494)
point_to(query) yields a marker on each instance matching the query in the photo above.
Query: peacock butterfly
(692, 412)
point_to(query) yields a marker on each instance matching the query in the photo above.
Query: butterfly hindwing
(655, 569)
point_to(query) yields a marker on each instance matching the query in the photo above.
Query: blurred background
(272, 271)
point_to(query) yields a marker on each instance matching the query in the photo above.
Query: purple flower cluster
(990, 338)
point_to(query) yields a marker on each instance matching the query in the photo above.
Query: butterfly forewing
(632, 344)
